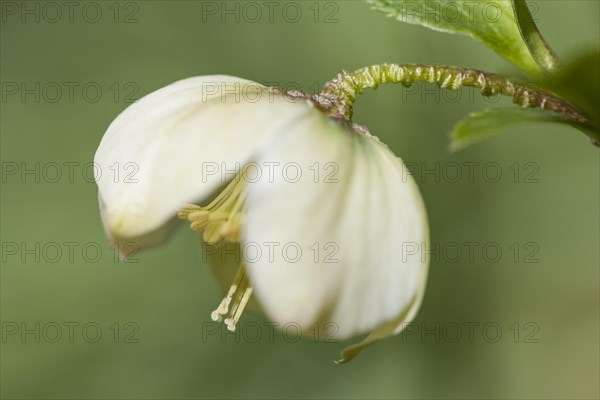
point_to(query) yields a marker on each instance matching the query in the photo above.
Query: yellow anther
(198, 216)
(231, 231)
(222, 218)
(239, 293)
(199, 226)
(219, 215)
(187, 209)
(212, 232)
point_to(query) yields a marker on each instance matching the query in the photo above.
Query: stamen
(187, 210)
(222, 218)
(198, 226)
(198, 216)
(231, 229)
(239, 310)
(236, 302)
(239, 293)
(224, 306)
(212, 232)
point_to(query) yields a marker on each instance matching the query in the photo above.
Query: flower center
(223, 217)
(221, 221)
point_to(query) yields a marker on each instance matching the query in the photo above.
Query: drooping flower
(324, 207)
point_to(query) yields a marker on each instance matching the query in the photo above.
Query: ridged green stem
(339, 94)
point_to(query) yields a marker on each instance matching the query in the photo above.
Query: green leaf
(539, 49)
(491, 22)
(485, 124)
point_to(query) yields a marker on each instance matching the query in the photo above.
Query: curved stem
(339, 94)
(541, 52)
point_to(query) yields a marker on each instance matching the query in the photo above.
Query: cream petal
(351, 224)
(390, 328)
(178, 145)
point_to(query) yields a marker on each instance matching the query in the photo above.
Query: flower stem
(339, 94)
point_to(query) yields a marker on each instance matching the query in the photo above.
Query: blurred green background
(153, 313)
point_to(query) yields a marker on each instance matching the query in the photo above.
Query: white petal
(360, 224)
(178, 145)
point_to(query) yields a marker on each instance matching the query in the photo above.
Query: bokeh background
(152, 314)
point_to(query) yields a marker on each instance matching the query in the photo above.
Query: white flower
(324, 209)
